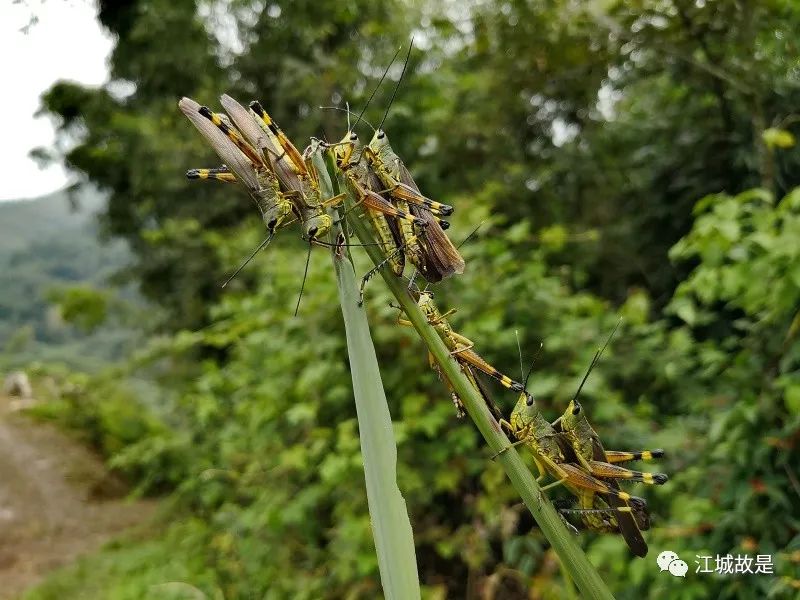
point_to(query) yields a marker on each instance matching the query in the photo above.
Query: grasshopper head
(346, 148)
(277, 215)
(524, 412)
(426, 305)
(318, 226)
(572, 415)
(379, 141)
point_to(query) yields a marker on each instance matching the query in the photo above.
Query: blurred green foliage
(592, 139)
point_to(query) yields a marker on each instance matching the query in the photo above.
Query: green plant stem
(572, 557)
(391, 527)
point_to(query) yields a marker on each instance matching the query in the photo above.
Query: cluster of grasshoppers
(285, 187)
(568, 449)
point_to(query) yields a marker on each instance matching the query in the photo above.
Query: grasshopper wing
(224, 147)
(628, 522)
(246, 123)
(442, 257)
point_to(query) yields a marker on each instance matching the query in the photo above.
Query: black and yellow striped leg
(609, 471)
(616, 456)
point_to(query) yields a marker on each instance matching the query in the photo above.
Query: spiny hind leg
(617, 456)
(577, 477)
(606, 510)
(609, 471)
(403, 192)
(391, 259)
(459, 405)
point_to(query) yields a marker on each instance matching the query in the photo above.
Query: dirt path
(57, 502)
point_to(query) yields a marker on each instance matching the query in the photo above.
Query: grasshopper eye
(576, 409)
(529, 400)
(353, 137)
(381, 134)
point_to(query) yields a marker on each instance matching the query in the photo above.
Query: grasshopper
(298, 174)
(431, 252)
(592, 456)
(596, 460)
(553, 456)
(363, 183)
(461, 349)
(245, 163)
(258, 151)
(589, 449)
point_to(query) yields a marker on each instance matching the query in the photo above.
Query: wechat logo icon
(669, 561)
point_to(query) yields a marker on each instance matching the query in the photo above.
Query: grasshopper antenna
(596, 359)
(375, 91)
(530, 368)
(261, 246)
(347, 107)
(349, 112)
(394, 93)
(471, 233)
(305, 276)
(519, 351)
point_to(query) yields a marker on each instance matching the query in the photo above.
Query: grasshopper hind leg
(390, 259)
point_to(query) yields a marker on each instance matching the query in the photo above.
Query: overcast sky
(66, 43)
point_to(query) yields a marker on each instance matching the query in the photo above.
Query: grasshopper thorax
(425, 300)
(431, 312)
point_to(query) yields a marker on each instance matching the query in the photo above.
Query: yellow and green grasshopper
(297, 174)
(255, 147)
(431, 251)
(461, 349)
(575, 428)
(599, 513)
(244, 163)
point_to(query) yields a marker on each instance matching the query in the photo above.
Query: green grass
(133, 569)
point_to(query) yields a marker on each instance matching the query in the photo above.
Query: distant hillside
(23, 221)
(47, 243)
